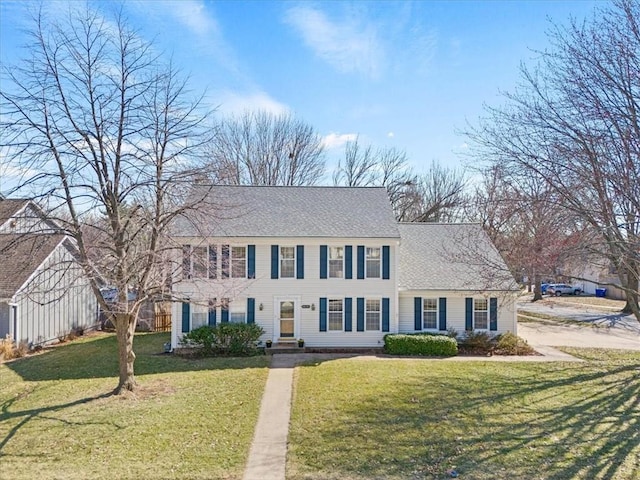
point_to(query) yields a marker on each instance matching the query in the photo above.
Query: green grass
(191, 418)
(416, 419)
(536, 317)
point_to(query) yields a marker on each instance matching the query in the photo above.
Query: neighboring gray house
(43, 290)
(332, 266)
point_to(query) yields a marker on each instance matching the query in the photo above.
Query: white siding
(309, 290)
(26, 221)
(56, 300)
(456, 309)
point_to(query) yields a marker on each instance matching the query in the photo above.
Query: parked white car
(558, 289)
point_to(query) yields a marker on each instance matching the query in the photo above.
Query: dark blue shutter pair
(417, 313)
(493, 314)
(386, 263)
(275, 261)
(348, 261)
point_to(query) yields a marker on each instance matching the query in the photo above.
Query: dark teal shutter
(348, 262)
(275, 258)
(300, 261)
(186, 314)
(493, 314)
(212, 312)
(323, 261)
(251, 310)
(251, 261)
(468, 314)
(225, 261)
(385, 314)
(360, 262)
(386, 252)
(224, 311)
(323, 314)
(348, 308)
(417, 313)
(360, 314)
(442, 313)
(213, 261)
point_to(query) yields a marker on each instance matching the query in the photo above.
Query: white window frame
(329, 300)
(367, 259)
(477, 310)
(437, 311)
(233, 259)
(367, 311)
(293, 260)
(238, 308)
(341, 260)
(202, 309)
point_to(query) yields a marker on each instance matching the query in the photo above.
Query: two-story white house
(332, 266)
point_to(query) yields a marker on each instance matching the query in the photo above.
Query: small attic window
(12, 224)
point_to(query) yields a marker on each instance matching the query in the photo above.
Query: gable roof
(266, 211)
(20, 256)
(455, 256)
(9, 207)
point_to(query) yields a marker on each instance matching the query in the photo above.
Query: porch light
(261, 307)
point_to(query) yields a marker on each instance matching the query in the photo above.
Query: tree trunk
(537, 289)
(125, 329)
(630, 283)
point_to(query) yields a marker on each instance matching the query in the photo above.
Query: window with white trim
(480, 314)
(287, 262)
(199, 261)
(429, 313)
(199, 315)
(336, 262)
(373, 262)
(372, 314)
(335, 314)
(238, 262)
(237, 312)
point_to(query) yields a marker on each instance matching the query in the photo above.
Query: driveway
(601, 329)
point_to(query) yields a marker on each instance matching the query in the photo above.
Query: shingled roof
(265, 211)
(10, 206)
(20, 256)
(440, 256)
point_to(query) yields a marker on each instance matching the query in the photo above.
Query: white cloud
(233, 103)
(349, 45)
(391, 134)
(336, 140)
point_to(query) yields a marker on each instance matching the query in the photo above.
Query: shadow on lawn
(27, 415)
(97, 357)
(577, 421)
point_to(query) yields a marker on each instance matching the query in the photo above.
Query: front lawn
(192, 418)
(417, 419)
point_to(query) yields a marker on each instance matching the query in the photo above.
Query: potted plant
(268, 343)
(300, 343)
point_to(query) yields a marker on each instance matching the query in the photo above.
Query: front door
(287, 309)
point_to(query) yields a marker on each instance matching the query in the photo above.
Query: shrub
(478, 343)
(511, 344)
(420, 344)
(9, 350)
(225, 338)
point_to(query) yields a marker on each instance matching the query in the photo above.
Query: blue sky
(400, 74)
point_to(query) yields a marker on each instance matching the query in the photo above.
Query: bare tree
(574, 124)
(432, 197)
(106, 133)
(260, 148)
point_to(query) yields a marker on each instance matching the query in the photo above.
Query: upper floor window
(336, 262)
(238, 262)
(429, 313)
(287, 262)
(480, 314)
(199, 261)
(372, 314)
(373, 262)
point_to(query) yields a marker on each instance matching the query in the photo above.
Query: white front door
(287, 317)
